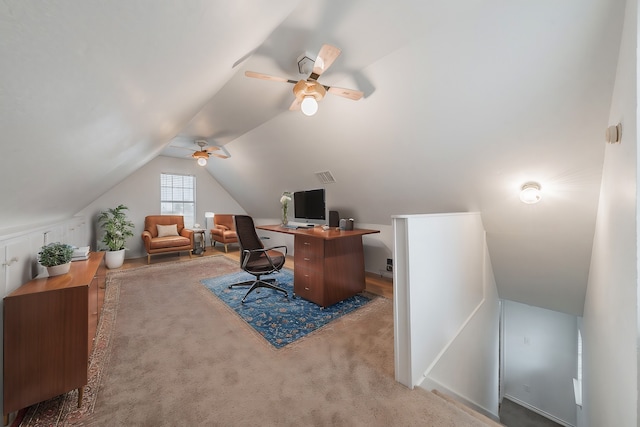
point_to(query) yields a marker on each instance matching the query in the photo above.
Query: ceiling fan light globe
(202, 161)
(309, 106)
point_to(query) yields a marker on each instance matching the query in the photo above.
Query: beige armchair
(223, 231)
(166, 233)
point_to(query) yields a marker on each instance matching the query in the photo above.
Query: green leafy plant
(55, 254)
(116, 227)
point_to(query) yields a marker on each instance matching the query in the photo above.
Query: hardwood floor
(514, 415)
(375, 283)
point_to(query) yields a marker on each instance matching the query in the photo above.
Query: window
(577, 382)
(178, 196)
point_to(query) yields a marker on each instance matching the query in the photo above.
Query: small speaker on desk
(334, 219)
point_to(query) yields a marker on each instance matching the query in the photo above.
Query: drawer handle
(306, 289)
(307, 259)
(307, 243)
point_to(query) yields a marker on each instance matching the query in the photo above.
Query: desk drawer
(308, 250)
(308, 284)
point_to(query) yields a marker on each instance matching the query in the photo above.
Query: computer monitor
(310, 204)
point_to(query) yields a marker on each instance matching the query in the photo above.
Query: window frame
(189, 220)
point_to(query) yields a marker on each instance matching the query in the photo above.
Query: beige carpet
(178, 356)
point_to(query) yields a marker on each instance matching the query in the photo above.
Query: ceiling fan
(206, 150)
(308, 92)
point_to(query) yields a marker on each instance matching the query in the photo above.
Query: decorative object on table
(346, 224)
(278, 320)
(284, 201)
(56, 257)
(116, 229)
(81, 253)
(334, 219)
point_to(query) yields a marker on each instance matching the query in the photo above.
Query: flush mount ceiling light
(530, 193)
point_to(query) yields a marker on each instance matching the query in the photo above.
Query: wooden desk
(329, 265)
(49, 328)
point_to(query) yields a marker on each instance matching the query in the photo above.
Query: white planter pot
(58, 270)
(114, 259)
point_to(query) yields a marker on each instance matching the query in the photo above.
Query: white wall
(610, 320)
(468, 368)
(140, 192)
(445, 302)
(540, 360)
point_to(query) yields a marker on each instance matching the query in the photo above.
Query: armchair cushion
(167, 230)
(169, 242)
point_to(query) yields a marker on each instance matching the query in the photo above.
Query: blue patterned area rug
(279, 321)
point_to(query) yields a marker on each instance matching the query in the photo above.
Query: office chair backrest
(247, 236)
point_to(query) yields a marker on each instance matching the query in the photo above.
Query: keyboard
(295, 225)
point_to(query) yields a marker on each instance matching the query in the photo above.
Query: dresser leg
(6, 419)
(80, 395)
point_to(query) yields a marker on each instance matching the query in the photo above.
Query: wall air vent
(325, 177)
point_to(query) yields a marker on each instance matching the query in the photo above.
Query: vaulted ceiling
(464, 102)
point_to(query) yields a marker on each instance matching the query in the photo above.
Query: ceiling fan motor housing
(200, 154)
(309, 88)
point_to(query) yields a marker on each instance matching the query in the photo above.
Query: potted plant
(56, 257)
(116, 229)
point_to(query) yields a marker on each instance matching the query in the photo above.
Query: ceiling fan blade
(325, 58)
(261, 76)
(346, 93)
(295, 105)
(182, 148)
(211, 148)
(220, 155)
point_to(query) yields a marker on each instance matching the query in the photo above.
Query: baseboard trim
(431, 384)
(538, 411)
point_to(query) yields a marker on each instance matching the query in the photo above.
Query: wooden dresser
(329, 264)
(49, 329)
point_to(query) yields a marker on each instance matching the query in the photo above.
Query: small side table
(199, 249)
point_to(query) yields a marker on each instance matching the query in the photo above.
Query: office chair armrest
(277, 248)
(247, 254)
